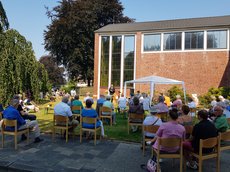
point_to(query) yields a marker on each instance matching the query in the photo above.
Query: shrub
(175, 90)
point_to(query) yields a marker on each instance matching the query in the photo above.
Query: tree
(19, 67)
(55, 73)
(70, 36)
(4, 24)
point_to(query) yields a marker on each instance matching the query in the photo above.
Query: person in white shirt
(122, 101)
(213, 102)
(146, 102)
(152, 119)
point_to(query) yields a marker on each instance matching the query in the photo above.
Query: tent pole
(184, 92)
(151, 92)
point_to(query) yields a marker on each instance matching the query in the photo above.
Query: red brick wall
(199, 70)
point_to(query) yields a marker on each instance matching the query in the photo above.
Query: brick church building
(194, 50)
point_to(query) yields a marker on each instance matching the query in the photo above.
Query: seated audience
(76, 102)
(178, 102)
(146, 102)
(161, 106)
(88, 111)
(220, 120)
(185, 119)
(108, 103)
(122, 101)
(152, 119)
(25, 115)
(136, 108)
(203, 130)
(88, 97)
(213, 102)
(11, 112)
(100, 102)
(64, 109)
(170, 129)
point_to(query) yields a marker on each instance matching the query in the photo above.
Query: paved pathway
(106, 156)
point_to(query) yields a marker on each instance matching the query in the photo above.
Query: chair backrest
(225, 136)
(9, 123)
(228, 119)
(170, 142)
(59, 119)
(89, 120)
(213, 142)
(136, 116)
(106, 109)
(74, 108)
(163, 115)
(150, 128)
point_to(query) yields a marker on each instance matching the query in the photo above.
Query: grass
(116, 132)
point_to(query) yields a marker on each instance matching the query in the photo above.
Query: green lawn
(117, 132)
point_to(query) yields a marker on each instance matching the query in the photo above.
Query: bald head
(218, 110)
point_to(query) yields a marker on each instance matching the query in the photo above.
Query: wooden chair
(163, 116)
(213, 142)
(89, 120)
(228, 119)
(74, 108)
(107, 110)
(135, 120)
(169, 143)
(150, 129)
(225, 140)
(15, 133)
(61, 122)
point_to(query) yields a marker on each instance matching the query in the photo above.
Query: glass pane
(129, 49)
(217, 39)
(152, 42)
(194, 40)
(116, 60)
(172, 41)
(104, 61)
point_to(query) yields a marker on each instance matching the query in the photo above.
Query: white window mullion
(122, 62)
(162, 41)
(110, 60)
(99, 67)
(183, 41)
(135, 49)
(205, 40)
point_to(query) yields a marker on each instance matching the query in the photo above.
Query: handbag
(151, 165)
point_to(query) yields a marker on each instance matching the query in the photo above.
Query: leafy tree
(4, 24)
(70, 37)
(55, 73)
(19, 67)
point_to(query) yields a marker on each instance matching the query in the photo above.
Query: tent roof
(155, 80)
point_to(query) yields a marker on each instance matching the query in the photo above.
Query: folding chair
(150, 129)
(89, 120)
(108, 114)
(169, 143)
(135, 120)
(214, 143)
(15, 132)
(61, 122)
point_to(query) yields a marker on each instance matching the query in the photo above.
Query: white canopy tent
(153, 80)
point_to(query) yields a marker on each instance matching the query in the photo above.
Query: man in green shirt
(220, 121)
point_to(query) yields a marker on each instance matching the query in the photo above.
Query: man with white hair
(64, 109)
(220, 120)
(11, 112)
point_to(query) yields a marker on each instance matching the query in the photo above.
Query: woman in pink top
(170, 129)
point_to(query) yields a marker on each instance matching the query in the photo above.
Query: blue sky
(29, 16)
